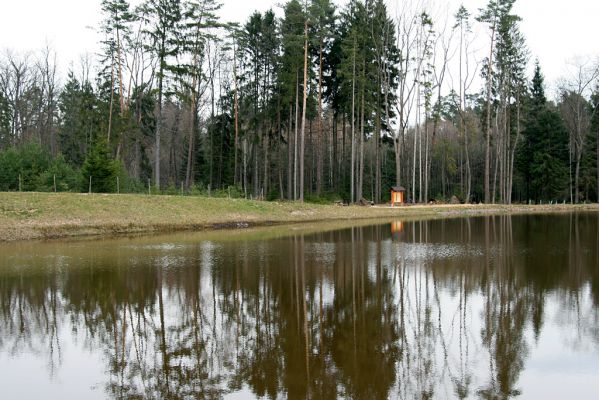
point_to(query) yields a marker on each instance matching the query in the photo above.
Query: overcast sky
(555, 30)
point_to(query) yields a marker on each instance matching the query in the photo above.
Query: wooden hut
(398, 196)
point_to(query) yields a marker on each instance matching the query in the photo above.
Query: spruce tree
(99, 168)
(543, 157)
(165, 16)
(79, 122)
(288, 77)
(594, 140)
(199, 22)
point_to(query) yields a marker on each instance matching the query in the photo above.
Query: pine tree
(386, 58)
(465, 29)
(79, 123)
(491, 15)
(199, 22)
(165, 16)
(4, 122)
(288, 77)
(542, 159)
(537, 103)
(116, 28)
(322, 25)
(595, 137)
(100, 169)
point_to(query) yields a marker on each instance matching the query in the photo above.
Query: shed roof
(398, 188)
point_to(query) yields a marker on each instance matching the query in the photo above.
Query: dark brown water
(490, 307)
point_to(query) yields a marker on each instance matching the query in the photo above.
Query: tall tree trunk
(236, 110)
(159, 119)
(577, 178)
(488, 138)
(319, 133)
(497, 158)
(305, 96)
(290, 154)
(420, 160)
(111, 101)
(120, 72)
(244, 156)
(255, 178)
(265, 167)
(462, 119)
(192, 120)
(597, 166)
(570, 173)
(361, 159)
(190, 144)
(342, 172)
(377, 154)
(295, 146)
(426, 159)
(333, 166)
(416, 134)
(397, 151)
(353, 128)
(468, 169)
(515, 146)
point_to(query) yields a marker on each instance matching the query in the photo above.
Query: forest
(308, 102)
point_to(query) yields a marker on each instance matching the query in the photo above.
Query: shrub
(67, 178)
(102, 169)
(28, 162)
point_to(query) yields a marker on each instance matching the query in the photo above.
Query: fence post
(90, 184)
(209, 192)
(229, 189)
(149, 186)
(20, 184)
(54, 183)
(118, 187)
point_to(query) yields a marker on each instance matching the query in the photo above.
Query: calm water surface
(489, 307)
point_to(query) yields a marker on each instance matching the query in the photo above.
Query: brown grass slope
(50, 215)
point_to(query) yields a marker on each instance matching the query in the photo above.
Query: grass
(49, 215)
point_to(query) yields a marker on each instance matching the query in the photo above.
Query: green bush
(325, 198)
(171, 189)
(234, 191)
(126, 183)
(28, 162)
(67, 178)
(10, 166)
(34, 162)
(102, 169)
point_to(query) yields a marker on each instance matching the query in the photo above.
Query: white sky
(555, 30)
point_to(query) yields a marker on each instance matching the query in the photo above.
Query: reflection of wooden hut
(398, 195)
(397, 229)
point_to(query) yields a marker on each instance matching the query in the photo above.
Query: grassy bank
(50, 215)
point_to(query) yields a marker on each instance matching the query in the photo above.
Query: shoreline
(33, 215)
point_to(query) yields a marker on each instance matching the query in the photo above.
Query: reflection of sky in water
(565, 357)
(73, 371)
(441, 292)
(432, 251)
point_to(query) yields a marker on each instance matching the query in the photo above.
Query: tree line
(318, 103)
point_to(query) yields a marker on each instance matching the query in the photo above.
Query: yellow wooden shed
(398, 196)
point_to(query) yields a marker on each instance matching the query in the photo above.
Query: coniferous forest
(309, 101)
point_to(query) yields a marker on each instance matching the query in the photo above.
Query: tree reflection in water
(428, 309)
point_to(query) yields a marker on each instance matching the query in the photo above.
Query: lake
(484, 307)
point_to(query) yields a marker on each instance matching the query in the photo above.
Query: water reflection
(432, 309)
